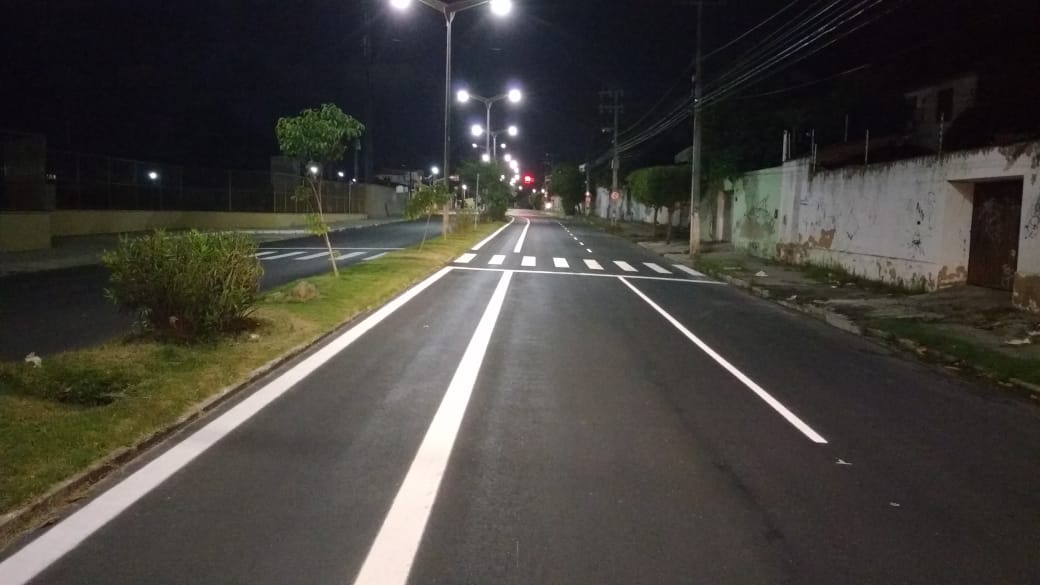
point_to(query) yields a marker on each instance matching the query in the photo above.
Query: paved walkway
(73, 251)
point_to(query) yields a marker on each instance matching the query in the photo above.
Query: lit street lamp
(492, 149)
(513, 95)
(449, 10)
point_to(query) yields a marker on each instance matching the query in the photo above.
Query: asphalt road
(516, 421)
(55, 311)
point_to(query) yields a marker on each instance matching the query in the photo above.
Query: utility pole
(695, 150)
(615, 108)
(370, 123)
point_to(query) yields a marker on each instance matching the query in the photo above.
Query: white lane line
(376, 257)
(596, 274)
(656, 268)
(497, 260)
(390, 559)
(492, 236)
(529, 261)
(592, 264)
(581, 243)
(42, 552)
(280, 256)
(689, 270)
(465, 258)
(561, 263)
(589, 250)
(306, 248)
(625, 266)
(349, 256)
(523, 236)
(264, 253)
(765, 396)
(313, 256)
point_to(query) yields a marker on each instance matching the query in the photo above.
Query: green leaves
(567, 183)
(425, 200)
(662, 186)
(317, 135)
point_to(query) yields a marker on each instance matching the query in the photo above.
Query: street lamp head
(465, 187)
(313, 169)
(513, 131)
(401, 4)
(476, 130)
(501, 7)
(502, 146)
(475, 145)
(341, 174)
(463, 96)
(485, 157)
(508, 158)
(153, 175)
(515, 95)
(435, 171)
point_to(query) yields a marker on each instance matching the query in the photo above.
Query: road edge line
(481, 243)
(523, 236)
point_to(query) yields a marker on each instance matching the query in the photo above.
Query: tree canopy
(318, 135)
(567, 183)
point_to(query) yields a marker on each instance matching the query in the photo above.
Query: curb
(844, 323)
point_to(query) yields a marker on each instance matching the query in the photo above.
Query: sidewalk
(966, 328)
(73, 251)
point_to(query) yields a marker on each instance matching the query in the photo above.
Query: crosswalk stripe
(265, 253)
(560, 263)
(497, 260)
(528, 261)
(688, 270)
(349, 256)
(288, 255)
(313, 256)
(625, 266)
(377, 256)
(656, 268)
(592, 264)
(465, 258)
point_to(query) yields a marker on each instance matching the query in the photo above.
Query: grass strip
(149, 386)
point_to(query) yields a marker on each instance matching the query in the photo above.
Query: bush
(186, 286)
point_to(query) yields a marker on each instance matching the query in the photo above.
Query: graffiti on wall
(1032, 226)
(922, 213)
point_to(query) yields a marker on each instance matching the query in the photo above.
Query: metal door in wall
(995, 217)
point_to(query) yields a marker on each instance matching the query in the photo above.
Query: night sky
(202, 83)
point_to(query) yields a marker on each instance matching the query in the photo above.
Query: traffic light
(528, 180)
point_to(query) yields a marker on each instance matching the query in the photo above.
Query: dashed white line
(625, 266)
(497, 260)
(689, 270)
(492, 236)
(589, 250)
(313, 256)
(529, 261)
(561, 263)
(376, 257)
(765, 396)
(280, 256)
(465, 258)
(264, 253)
(523, 236)
(66, 535)
(348, 256)
(390, 559)
(592, 264)
(656, 268)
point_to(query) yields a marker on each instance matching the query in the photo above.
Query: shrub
(186, 286)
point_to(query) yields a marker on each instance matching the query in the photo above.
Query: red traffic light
(528, 180)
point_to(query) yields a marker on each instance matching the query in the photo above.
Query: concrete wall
(382, 201)
(906, 222)
(75, 223)
(24, 231)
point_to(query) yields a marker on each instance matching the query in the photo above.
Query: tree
(663, 186)
(424, 201)
(489, 187)
(568, 183)
(317, 137)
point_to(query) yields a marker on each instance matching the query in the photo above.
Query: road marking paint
(264, 253)
(656, 268)
(592, 264)
(376, 257)
(589, 250)
(492, 236)
(465, 258)
(66, 535)
(313, 256)
(596, 274)
(689, 270)
(497, 260)
(390, 559)
(523, 236)
(288, 255)
(581, 243)
(561, 263)
(529, 261)
(349, 256)
(625, 266)
(306, 248)
(765, 396)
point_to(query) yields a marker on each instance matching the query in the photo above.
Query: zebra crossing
(309, 254)
(580, 264)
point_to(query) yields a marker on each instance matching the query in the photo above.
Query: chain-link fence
(86, 181)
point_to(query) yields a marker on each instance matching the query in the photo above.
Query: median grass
(136, 387)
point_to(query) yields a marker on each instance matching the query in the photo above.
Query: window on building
(944, 105)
